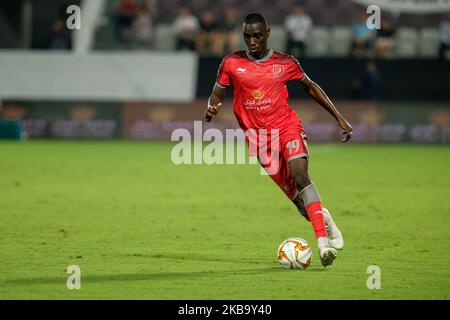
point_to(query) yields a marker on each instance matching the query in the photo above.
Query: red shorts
(292, 145)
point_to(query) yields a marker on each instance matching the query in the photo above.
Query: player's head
(256, 32)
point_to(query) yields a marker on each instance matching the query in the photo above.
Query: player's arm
(215, 101)
(320, 96)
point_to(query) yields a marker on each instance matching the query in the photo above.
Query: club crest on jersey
(277, 70)
(258, 94)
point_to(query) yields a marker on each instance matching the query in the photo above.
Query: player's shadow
(209, 258)
(159, 276)
(316, 269)
(197, 257)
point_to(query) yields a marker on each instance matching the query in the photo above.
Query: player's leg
(308, 194)
(294, 154)
(335, 237)
(298, 168)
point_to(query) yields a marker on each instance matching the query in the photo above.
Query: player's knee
(301, 181)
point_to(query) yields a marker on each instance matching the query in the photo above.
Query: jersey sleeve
(223, 76)
(294, 70)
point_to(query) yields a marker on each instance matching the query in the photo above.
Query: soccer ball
(295, 253)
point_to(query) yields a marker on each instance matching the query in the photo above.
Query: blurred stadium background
(87, 178)
(121, 75)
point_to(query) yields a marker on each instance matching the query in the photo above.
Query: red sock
(315, 214)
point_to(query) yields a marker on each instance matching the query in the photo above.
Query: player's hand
(348, 130)
(211, 111)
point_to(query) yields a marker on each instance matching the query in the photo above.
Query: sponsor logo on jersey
(240, 70)
(258, 105)
(277, 70)
(258, 94)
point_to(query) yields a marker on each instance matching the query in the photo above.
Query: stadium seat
(340, 41)
(318, 43)
(406, 42)
(164, 37)
(428, 42)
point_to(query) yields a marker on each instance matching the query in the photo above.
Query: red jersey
(260, 93)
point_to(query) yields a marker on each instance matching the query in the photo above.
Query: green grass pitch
(140, 227)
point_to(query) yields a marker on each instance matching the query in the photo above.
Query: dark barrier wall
(66, 120)
(422, 122)
(399, 79)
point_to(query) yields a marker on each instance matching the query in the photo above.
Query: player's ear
(268, 32)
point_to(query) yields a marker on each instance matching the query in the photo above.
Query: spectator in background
(125, 11)
(142, 27)
(362, 38)
(152, 6)
(444, 37)
(60, 36)
(367, 86)
(232, 29)
(298, 26)
(385, 39)
(186, 28)
(210, 40)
